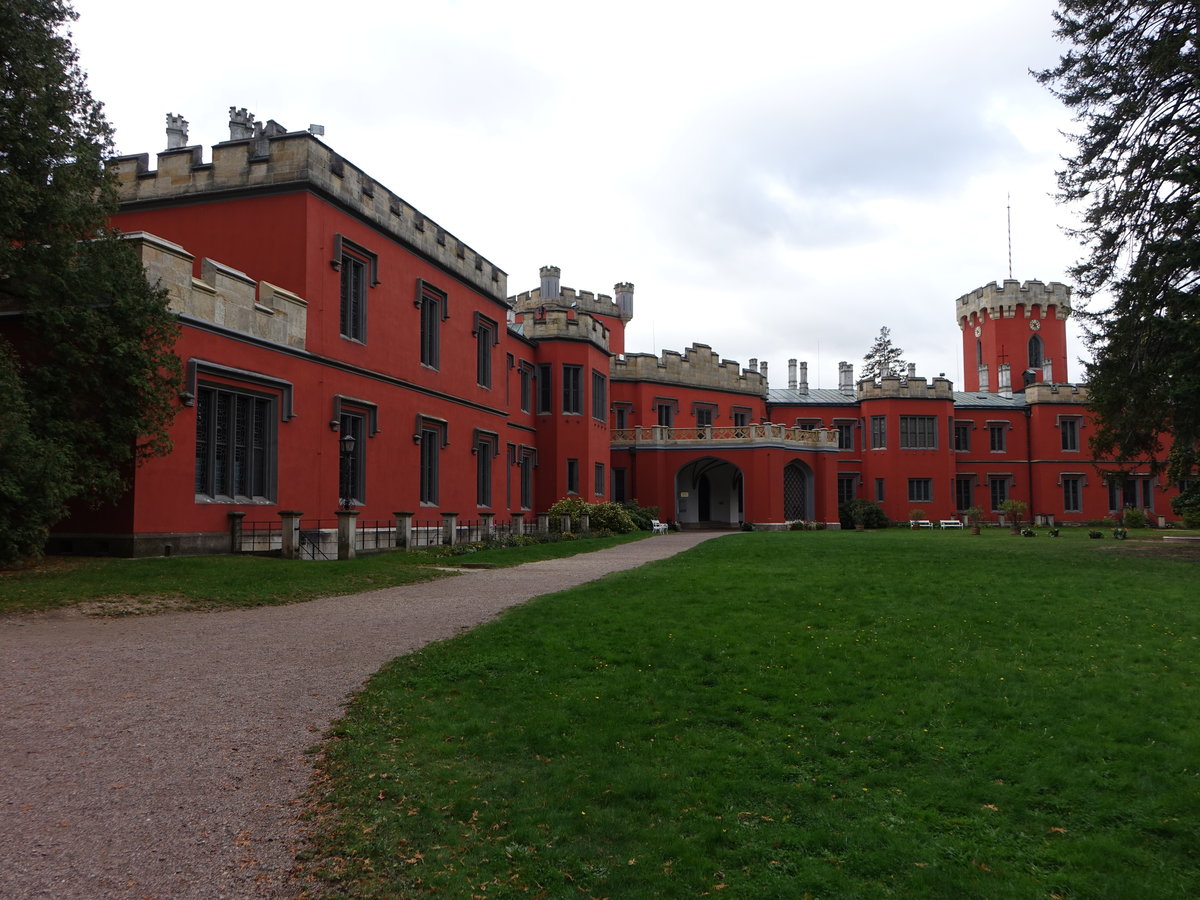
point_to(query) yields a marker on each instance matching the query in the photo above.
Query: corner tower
(1017, 332)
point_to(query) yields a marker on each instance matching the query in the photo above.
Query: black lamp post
(346, 442)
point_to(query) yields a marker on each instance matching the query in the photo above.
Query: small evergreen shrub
(1187, 506)
(867, 511)
(1136, 518)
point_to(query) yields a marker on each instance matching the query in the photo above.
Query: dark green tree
(90, 389)
(1132, 78)
(883, 358)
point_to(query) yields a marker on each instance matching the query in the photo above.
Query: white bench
(658, 527)
(921, 523)
(950, 523)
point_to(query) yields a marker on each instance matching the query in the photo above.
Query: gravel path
(164, 756)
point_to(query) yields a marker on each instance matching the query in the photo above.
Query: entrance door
(704, 499)
(795, 492)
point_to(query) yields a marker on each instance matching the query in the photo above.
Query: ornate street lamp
(346, 442)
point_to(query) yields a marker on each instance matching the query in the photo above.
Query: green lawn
(131, 586)
(807, 714)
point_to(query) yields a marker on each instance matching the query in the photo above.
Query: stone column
(585, 524)
(404, 530)
(450, 528)
(518, 523)
(347, 532)
(290, 545)
(543, 523)
(564, 524)
(235, 531)
(487, 526)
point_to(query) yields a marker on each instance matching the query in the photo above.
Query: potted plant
(915, 516)
(1014, 510)
(973, 515)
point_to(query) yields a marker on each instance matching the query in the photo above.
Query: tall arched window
(1036, 357)
(979, 353)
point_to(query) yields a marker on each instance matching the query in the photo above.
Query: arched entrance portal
(797, 491)
(708, 491)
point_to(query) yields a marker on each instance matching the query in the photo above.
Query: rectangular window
(433, 438)
(845, 432)
(998, 491)
(619, 492)
(545, 388)
(704, 416)
(353, 478)
(964, 490)
(878, 490)
(526, 374)
(962, 436)
(620, 417)
(920, 490)
(235, 444)
(741, 418)
(846, 487)
(1069, 430)
(572, 390)
(526, 466)
(432, 304)
(1072, 497)
(666, 413)
(599, 397)
(572, 476)
(997, 437)
(808, 424)
(485, 341)
(1123, 493)
(878, 432)
(485, 451)
(918, 432)
(354, 298)
(599, 479)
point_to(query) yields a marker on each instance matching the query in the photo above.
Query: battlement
(1057, 393)
(892, 386)
(543, 324)
(271, 158)
(551, 296)
(222, 295)
(698, 366)
(1001, 302)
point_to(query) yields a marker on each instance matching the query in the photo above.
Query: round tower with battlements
(1021, 327)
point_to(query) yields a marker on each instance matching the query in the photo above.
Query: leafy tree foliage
(1132, 77)
(89, 390)
(883, 358)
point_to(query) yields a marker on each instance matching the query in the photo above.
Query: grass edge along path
(107, 586)
(791, 715)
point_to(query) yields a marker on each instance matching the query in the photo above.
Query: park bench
(658, 527)
(950, 523)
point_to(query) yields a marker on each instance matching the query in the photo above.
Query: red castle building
(315, 304)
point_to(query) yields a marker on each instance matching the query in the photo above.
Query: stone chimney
(754, 364)
(241, 124)
(1005, 379)
(791, 374)
(551, 282)
(177, 131)
(912, 370)
(624, 292)
(846, 377)
(802, 387)
(762, 369)
(983, 379)
(1048, 371)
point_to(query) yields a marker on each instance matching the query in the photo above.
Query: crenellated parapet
(271, 158)
(913, 388)
(698, 366)
(1057, 393)
(1003, 301)
(552, 296)
(564, 325)
(222, 295)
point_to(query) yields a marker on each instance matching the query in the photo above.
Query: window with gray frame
(236, 444)
(878, 432)
(572, 390)
(1072, 495)
(918, 432)
(353, 474)
(599, 396)
(997, 436)
(434, 311)
(572, 476)
(845, 433)
(1069, 431)
(920, 490)
(962, 436)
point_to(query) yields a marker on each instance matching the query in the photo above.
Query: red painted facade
(316, 303)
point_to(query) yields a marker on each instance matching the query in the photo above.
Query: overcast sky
(778, 179)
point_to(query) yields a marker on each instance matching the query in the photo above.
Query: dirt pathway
(163, 756)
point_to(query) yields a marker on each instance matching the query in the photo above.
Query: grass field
(808, 714)
(134, 586)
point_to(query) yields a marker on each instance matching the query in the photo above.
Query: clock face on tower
(978, 331)
(1035, 324)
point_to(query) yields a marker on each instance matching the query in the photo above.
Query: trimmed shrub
(867, 511)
